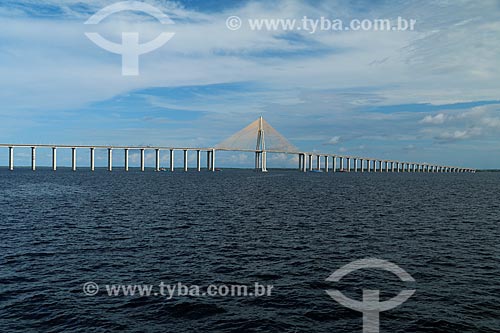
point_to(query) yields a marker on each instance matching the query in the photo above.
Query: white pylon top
(249, 137)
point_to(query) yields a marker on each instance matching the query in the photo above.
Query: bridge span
(268, 141)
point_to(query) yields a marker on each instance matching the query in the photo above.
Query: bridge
(259, 138)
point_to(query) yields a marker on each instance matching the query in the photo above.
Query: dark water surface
(286, 229)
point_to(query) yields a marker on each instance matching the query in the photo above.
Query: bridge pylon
(260, 149)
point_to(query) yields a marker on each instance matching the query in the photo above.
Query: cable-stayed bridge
(259, 138)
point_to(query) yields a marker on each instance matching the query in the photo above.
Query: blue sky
(429, 95)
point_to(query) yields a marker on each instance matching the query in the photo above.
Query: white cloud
(437, 119)
(459, 134)
(333, 141)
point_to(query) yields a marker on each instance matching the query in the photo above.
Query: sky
(428, 95)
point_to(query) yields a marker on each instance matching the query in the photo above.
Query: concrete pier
(73, 159)
(361, 163)
(334, 163)
(326, 163)
(257, 161)
(198, 160)
(54, 158)
(172, 166)
(33, 158)
(142, 160)
(157, 160)
(126, 160)
(348, 164)
(110, 159)
(213, 160)
(11, 158)
(355, 165)
(310, 161)
(341, 164)
(264, 161)
(92, 159)
(185, 160)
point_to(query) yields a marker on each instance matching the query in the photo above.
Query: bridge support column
(334, 164)
(361, 163)
(310, 160)
(209, 164)
(198, 160)
(185, 160)
(73, 159)
(304, 164)
(318, 162)
(110, 159)
(341, 164)
(54, 158)
(326, 164)
(264, 162)
(213, 160)
(368, 166)
(11, 158)
(355, 165)
(33, 158)
(92, 159)
(172, 163)
(126, 167)
(157, 166)
(348, 164)
(143, 164)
